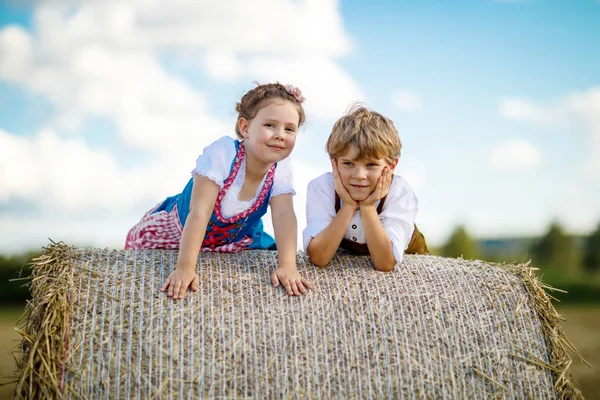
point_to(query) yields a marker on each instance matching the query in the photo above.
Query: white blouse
(397, 217)
(215, 164)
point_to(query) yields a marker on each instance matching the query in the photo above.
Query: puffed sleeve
(215, 161)
(283, 182)
(320, 207)
(399, 214)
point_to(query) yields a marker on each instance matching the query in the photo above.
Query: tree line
(554, 251)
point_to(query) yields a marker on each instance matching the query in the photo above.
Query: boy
(361, 205)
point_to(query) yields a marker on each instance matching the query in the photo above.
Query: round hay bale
(442, 328)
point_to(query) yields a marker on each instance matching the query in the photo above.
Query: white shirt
(215, 164)
(397, 217)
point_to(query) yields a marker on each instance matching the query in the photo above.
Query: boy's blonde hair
(374, 135)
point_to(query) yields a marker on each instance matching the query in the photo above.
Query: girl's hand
(381, 190)
(340, 188)
(291, 280)
(178, 282)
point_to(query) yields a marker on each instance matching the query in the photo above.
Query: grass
(582, 327)
(9, 339)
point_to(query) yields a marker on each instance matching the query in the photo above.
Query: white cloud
(327, 88)
(222, 66)
(577, 111)
(515, 154)
(32, 232)
(524, 110)
(407, 100)
(65, 175)
(105, 59)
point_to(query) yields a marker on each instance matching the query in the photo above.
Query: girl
(231, 187)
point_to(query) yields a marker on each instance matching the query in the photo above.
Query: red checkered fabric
(163, 230)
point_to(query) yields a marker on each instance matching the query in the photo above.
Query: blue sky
(104, 105)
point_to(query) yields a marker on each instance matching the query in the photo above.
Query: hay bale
(441, 328)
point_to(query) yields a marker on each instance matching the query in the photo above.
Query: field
(582, 327)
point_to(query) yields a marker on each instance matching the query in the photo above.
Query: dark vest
(417, 244)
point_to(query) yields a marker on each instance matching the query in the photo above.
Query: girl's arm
(286, 231)
(378, 240)
(204, 196)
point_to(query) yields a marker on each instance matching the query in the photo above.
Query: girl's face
(271, 135)
(359, 177)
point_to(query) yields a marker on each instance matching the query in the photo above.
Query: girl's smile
(271, 135)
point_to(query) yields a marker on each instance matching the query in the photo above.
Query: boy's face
(359, 177)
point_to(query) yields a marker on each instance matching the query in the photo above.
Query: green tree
(13, 268)
(591, 256)
(557, 251)
(460, 244)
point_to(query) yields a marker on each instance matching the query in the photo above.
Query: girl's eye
(372, 165)
(269, 125)
(290, 129)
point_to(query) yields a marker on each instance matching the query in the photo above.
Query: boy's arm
(387, 240)
(285, 226)
(323, 246)
(320, 202)
(378, 240)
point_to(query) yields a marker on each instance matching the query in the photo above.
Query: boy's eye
(347, 163)
(269, 125)
(290, 129)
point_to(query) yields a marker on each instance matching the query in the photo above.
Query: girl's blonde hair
(261, 96)
(373, 134)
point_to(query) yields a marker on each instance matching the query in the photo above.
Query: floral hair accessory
(294, 91)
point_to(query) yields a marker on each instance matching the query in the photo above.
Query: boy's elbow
(316, 259)
(319, 263)
(385, 267)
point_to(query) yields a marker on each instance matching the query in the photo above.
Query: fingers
(294, 287)
(166, 285)
(196, 283)
(275, 279)
(182, 290)
(388, 178)
(288, 287)
(307, 283)
(174, 289)
(300, 286)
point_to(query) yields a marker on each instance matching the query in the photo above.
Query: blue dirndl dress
(162, 226)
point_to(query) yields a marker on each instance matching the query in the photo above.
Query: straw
(443, 328)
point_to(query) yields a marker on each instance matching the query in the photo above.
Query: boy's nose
(359, 173)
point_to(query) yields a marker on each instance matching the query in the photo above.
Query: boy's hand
(178, 282)
(340, 188)
(381, 190)
(291, 280)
